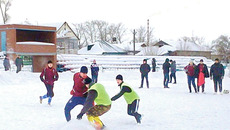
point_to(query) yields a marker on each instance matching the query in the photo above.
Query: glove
(79, 116)
(113, 99)
(222, 77)
(211, 77)
(71, 92)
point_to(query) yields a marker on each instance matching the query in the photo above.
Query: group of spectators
(18, 62)
(193, 71)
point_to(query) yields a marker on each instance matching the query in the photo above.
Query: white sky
(171, 19)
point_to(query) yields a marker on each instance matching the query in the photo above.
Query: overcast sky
(171, 19)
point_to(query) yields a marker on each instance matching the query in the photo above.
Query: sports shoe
(40, 97)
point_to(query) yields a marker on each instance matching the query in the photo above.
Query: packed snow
(35, 43)
(162, 109)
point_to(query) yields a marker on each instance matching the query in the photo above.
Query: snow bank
(163, 109)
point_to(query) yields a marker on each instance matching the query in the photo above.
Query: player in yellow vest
(130, 96)
(97, 93)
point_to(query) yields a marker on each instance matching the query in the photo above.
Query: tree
(142, 35)
(5, 6)
(222, 46)
(91, 31)
(196, 40)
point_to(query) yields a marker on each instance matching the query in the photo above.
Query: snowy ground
(163, 109)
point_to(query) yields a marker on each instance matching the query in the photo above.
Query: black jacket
(205, 71)
(166, 67)
(144, 69)
(217, 70)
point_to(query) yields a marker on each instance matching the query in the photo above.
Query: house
(36, 44)
(189, 49)
(102, 48)
(67, 39)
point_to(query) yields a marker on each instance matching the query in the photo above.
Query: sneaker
(40, 97)
(166, 87)
(174, 83)
(140, 87)
(215, 93)
(49, 103)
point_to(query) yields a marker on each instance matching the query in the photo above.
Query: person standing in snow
(79, 92)
(165, 68)
(50, 75)
(217, 74)
(173, 71)
(130, 96)
(190, 71)
(19, 64)
(153, 65)
(6, 63)
(97, 93)
(144, 69)
(94, 71)
(202, 73)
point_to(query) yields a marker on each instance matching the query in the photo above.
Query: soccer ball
(226, 91)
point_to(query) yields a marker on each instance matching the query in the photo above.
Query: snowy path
(163, 109)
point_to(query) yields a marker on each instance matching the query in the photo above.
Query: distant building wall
(206, 54)
(29, 34)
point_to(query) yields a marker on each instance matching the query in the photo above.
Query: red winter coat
(79, 88)
(50, 74)
(190, 70)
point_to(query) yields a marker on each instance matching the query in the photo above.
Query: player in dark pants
(79, 92)
(144, 69)
(130, 96)
(217, 74)
(51, 75)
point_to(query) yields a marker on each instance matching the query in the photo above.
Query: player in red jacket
(50, 75)
(79, 92)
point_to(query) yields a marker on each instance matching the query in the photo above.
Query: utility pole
(134, 33)
(147, 32)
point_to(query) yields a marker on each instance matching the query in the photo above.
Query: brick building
(36, 42)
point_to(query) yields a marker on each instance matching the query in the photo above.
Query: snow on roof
(165, 49)
(187, 46)
(57, 25)
(129, 46)
(35, 43)
(100, 48)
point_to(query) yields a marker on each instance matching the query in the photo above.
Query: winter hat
(87, 80)
(49, 62)
(84, 69)
(119, 77)
(167, 60)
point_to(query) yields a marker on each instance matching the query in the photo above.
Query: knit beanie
(49, 62)
(119, 77)
(84, 69)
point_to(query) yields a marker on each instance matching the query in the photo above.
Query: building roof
(160, 43)
(62, 31)
(101, 47)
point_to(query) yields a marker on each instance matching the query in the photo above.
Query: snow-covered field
(163, 109)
